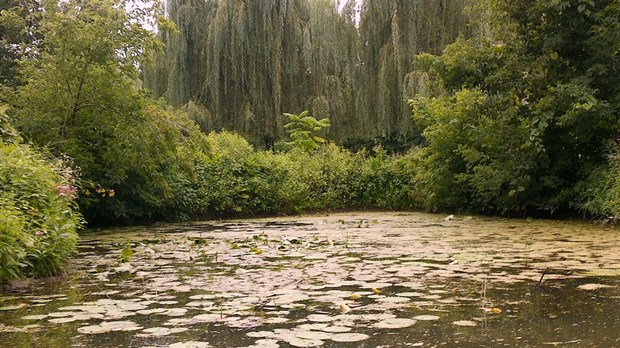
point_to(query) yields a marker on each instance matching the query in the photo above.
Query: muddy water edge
(362, 279)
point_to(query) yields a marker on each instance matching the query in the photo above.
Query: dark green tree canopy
(528, 112)
(80, 97)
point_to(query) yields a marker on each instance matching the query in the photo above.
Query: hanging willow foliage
(393, 32)
(246, 62)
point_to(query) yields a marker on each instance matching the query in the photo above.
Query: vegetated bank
(38, 215)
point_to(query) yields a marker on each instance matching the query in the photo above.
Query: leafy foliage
(527, 112)
(81, 98)
(8, 134)
(393, 33)
(18, 23)
(246, 62)
(601, 193)
(126, 253)
(302, 130)
(38, 217)
(234, 179)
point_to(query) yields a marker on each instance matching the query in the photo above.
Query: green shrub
(38, 218)
(234, 179)
(13, 240)
(8, 134)
(302, 130)
(133, 175)
(600, 194)
(522, 116)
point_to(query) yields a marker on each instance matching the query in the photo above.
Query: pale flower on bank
(66, 191)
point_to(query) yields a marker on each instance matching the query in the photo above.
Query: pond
(362, 279)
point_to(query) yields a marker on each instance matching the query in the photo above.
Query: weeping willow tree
(330, 51)
(247, 62)
(240, 64)
(392, 33)
(178, 74)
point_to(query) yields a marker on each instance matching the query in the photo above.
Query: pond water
(340, 280)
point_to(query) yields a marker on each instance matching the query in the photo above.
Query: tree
(302, 130)
(246, 62)
(544, 84)
(393, 33)
(18, 23)
(81, 98)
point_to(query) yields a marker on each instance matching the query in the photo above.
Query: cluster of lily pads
(302, 285)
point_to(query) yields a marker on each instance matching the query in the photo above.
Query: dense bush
(38, 218)
(519, 119)
(527, 112)
(601, 193)
(233, 178)
(127, 178)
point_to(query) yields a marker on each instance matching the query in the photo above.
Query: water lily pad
(426, 317)
(465, 323)
(151, 311)
(207, 317)
(109, 326)
(88, 308)
(315, 257)
(592, 287)
(265, 343)
(161, 331)
(394, 299)
(41, 301)
(200, 304)
(376, 316)
(315, 326)
(336, 329)
(431, 297)
(394, 323)
(412, 285)
(349, 337)
(12, 308)
(190, 344)
(35, 317)
(410, 294)
(261, 334)
(300, 342)
(179, 322)
(62, 314)
(276, 320)
(62, 320)
(376, 287)
(314, 335)
(321, 318)
(175, 312)
(246, 323)
(24, 329)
